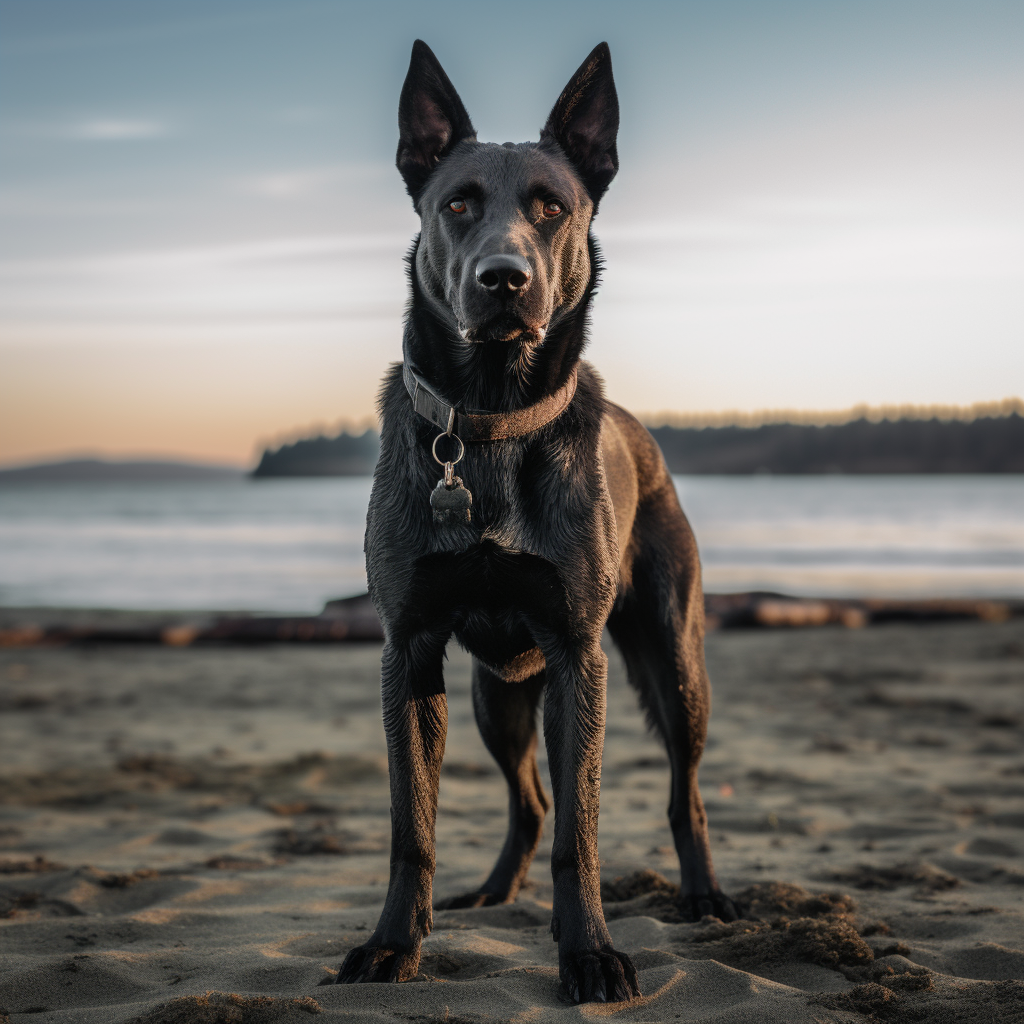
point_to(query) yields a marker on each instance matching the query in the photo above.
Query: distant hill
(108, 471)
(986, 445)
(344, 455)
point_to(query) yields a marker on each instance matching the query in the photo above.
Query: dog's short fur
(574, 526)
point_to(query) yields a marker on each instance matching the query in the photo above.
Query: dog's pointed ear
(585, 121)
(431, 119)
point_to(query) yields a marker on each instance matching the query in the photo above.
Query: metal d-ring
(449, 466)
(451, 462)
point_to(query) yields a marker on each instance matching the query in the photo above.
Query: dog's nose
(503, 273)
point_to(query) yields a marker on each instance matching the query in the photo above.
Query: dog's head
(503, 251)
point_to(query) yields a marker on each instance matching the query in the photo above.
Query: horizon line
(727, 418)
(835, 417)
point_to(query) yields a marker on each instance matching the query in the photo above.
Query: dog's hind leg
(507, 716)
(658, 625)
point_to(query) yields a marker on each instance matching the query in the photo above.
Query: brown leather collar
(486, 426)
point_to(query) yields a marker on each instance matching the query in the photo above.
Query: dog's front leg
(574, 716)
(415, 723)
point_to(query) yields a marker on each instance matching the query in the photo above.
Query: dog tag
(451, 503)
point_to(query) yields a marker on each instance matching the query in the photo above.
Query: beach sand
(201, 834)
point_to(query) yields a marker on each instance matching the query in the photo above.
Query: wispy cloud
(275, 290)
(42, 204)
(298, 183)
(102, 128)
(288, 184)
(116, 129)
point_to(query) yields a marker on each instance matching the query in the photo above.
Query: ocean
(288, 545)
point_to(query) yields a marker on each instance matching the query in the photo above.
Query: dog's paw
(469, 899)
(599, 976)
(377, 963)
(709, 904)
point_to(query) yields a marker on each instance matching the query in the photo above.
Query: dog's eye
(458, 206)
(552, 210)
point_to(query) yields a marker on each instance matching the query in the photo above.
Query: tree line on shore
(984, 445)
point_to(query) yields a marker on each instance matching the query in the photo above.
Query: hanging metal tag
(450, 500)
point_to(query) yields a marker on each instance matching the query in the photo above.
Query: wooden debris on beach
(731, 611)
(354, 619)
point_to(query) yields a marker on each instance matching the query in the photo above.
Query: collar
(486, 426)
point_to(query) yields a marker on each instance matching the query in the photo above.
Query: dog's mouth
(504, 329)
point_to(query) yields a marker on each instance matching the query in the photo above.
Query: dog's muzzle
(497, 306)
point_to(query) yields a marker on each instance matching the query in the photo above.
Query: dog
(564, 520)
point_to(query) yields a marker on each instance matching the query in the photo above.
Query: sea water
(289, 545)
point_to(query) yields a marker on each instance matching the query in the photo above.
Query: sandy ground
(216, 821)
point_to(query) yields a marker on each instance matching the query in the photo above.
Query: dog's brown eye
(552, 209)
(458, 206)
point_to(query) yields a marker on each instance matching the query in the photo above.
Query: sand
(200, 834)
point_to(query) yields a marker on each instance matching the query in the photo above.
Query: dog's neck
(495, 376)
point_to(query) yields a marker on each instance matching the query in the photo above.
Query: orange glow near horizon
(818, 207)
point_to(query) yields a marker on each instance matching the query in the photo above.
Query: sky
(819, 205)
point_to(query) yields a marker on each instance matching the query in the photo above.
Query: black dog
(572, 524)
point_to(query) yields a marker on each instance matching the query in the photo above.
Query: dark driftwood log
(349, 618)
(354, 619)
(762, 609)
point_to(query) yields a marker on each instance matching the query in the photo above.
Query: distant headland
(904, 446)
(343, 455)
(115, 471)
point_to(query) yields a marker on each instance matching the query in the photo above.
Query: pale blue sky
(201, 229)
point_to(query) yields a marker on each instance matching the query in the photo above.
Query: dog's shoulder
(626, 442)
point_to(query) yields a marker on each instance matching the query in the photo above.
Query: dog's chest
(525, 502)
(500, 602)
(539, 551)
